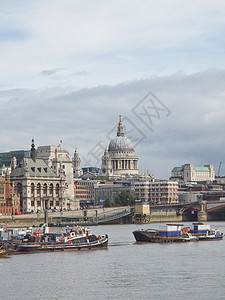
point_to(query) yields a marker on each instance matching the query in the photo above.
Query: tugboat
(204, 232)
(72, 239)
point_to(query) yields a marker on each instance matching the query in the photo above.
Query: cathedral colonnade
(124, 164)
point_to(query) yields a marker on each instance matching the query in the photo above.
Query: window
(57, 189)
(45, 189)
(38, 189)
(32, 189)
(51, 189)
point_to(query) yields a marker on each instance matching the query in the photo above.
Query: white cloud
(91, 36)
(69, 68)
(193, 132)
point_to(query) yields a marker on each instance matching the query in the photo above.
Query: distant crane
(218, 174)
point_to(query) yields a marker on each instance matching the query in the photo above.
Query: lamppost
(61, 194)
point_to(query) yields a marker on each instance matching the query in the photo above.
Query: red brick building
(164, 192)
(84, 192)
(9, 201)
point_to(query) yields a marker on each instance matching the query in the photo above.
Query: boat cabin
(200, 228)
(171, 230)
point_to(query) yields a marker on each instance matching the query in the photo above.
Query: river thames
(126, 270)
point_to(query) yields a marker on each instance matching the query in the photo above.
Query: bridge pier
(202, 214)
(141, 212)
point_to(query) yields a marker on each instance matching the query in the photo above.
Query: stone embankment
(36, 219)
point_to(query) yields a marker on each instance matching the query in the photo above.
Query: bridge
(196, 211)
(97, 219)
(113, 215)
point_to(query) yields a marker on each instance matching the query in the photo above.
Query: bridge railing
(113, 216)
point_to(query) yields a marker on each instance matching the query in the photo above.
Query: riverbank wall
(157, 217)
(27, 220)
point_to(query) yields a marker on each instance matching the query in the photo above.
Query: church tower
(77, 170)
(120, 130)
(13, 163)
(33, 151)
(106, 169)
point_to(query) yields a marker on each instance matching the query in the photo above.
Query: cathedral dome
(120, 143)
(120, 159)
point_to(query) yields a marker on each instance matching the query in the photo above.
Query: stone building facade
(189, 172)
(38, 186)
(58, 161)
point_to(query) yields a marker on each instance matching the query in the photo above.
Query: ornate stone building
(189, 172)
(77, 170)
(119, 159)
(38, 186)
(59, 161)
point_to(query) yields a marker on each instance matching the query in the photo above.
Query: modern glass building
(5, 157)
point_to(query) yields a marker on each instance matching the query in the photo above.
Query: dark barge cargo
(172, 234)
(177, 233)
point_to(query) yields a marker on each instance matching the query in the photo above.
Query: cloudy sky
(69, 68)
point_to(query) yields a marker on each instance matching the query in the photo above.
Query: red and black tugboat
(78, 238)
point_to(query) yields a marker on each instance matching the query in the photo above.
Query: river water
(126, 270)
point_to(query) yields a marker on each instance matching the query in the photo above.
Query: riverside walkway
(101, 218)
(93, 216)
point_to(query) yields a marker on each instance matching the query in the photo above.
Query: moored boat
(172, 234)
(211, 234)
(187, 236)
(178, 233)
(4, 252)
(98, 243)
(77, 238)
(204, 232)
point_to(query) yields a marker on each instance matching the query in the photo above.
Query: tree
(107, 203)
(125, 199)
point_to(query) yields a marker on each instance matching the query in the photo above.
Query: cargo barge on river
(176, 233)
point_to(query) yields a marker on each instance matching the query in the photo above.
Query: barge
(172, 234)
(177, 233)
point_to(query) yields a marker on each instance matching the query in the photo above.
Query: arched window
(45, 189)
(32, 189)
(39, 189)
(57, 190)
(19, 189)
(51, 189)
